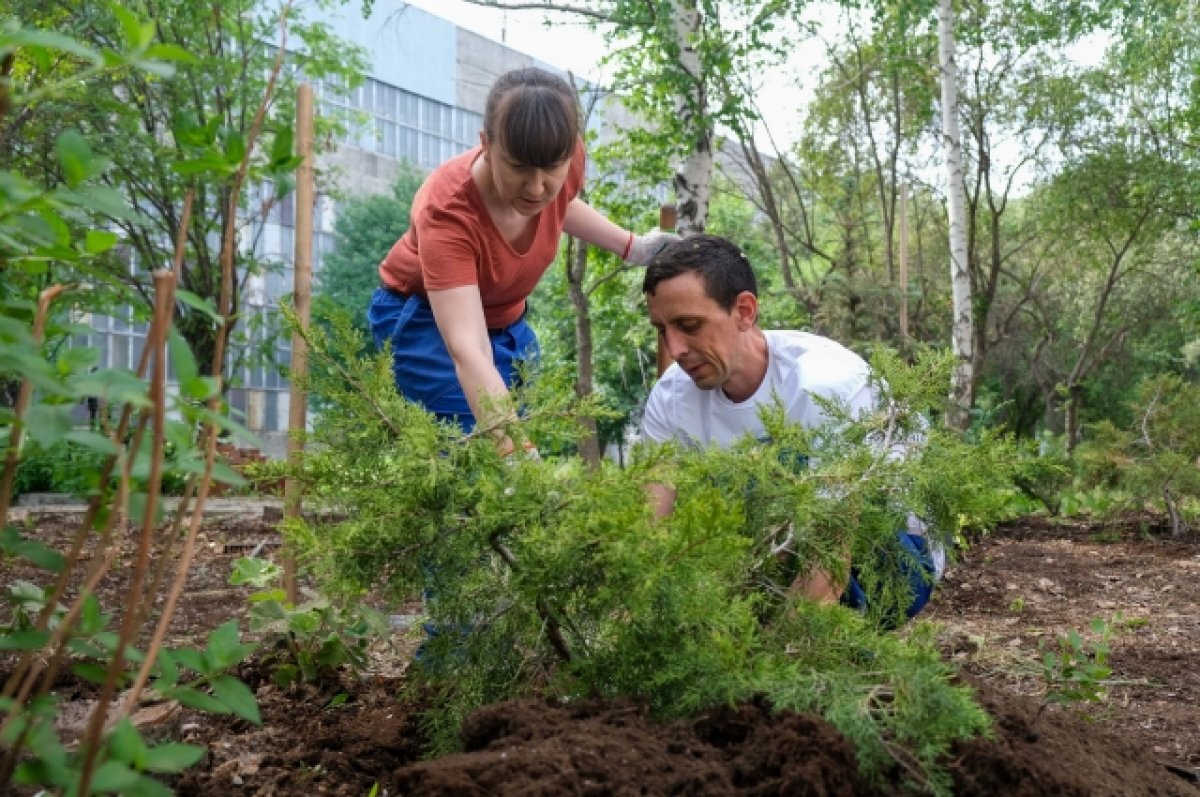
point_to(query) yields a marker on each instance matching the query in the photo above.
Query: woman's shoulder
(449, 192)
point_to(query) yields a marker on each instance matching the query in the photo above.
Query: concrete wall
(408, 47)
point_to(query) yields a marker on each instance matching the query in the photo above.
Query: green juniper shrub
(546, 576)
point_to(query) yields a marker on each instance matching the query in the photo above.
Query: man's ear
(745, 308)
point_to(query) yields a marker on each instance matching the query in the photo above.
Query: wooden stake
(667, 219)
(904, 266)
(302, 302)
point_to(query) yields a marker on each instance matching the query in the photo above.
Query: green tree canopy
(365, 229)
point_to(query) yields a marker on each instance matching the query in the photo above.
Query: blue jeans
(421, 365)
(915, 562)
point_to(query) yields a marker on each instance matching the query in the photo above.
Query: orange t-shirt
(452, 242)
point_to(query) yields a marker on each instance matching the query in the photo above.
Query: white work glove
(643, 248)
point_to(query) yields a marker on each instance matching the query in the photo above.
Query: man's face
(526, 189)
(705, 340)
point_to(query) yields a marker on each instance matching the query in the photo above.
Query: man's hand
(512, 452)
(643, 248)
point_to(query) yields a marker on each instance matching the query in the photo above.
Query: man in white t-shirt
(701, 294)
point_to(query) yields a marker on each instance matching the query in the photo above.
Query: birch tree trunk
(693, 181)
(962, 390)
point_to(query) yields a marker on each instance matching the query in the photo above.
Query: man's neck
(752, 367)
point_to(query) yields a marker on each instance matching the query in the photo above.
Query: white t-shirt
(799, 366)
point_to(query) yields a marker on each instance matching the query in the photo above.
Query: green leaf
(254, 571)
(114, 385)
(26, 595)
(235, 147)
(147, 787)
(92, 440)
(182, 359)
(98, 241)
(99, 198)
(12, 543)
(193, 660)
(75, 157)
(204, 306)
(224, 648)
(48, 39)
(226, 475)
(91, 619)
(89, 671)
(112, 776)
(237, 697)
(28, 639)
(86, 649)
(138, 35)
(281, 147)
(173, 757)
(304, 623)
(200, 388)
(194, 698)
(126, 745)
(48, 423)
(168, 673)
(77, 358)
(285, 675)
(277, 596)
(171, 52)
(161, 68)
(55, 230)
(137, 507)
(209, 163)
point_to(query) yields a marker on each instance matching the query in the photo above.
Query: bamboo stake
(302, 302)
(904, 266)
(164, 306)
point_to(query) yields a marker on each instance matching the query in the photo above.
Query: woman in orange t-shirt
(485, 227)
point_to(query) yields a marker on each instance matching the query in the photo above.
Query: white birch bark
(962, 388)
(693, 181)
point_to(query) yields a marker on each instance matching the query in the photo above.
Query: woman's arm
(588, 224)
(459, 316)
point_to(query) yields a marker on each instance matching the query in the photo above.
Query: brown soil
(1013, 593)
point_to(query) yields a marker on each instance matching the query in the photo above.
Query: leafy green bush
(311, 640)
(547, 576)
(69, 467)
(1154, 462)
(63, 467)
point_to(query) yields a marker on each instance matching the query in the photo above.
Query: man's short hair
(722, 267)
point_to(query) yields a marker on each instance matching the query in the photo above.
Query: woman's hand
(643, 248)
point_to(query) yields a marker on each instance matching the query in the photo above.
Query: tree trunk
(962, 382)
(693, 181)
(576, 260)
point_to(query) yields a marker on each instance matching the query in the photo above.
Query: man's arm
(662, 497)
(819, 586)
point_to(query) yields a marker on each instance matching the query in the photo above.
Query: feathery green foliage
(1155, 461)
(546, 576)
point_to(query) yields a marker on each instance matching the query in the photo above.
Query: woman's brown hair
(533, 115)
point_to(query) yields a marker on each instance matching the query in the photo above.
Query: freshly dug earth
(1014, 593)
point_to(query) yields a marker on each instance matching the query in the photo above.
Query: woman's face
(526, 189)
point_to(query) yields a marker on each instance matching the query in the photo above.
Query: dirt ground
(1012, 594)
